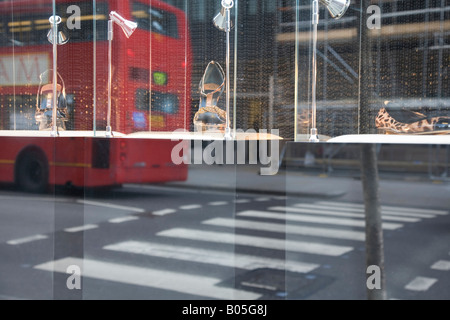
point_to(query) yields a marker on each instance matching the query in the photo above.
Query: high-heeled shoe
(210, 117)
(401, 121)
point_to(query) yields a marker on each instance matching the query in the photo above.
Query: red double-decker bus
(150, 92)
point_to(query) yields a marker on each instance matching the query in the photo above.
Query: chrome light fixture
(220, 20)
(61, 37)
(128, 27)
(56, 38)
(337, 9)
(223, 22)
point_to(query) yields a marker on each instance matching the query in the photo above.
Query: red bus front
(151, 70)
(151, 78)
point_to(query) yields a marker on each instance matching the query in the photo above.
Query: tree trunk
(374, 231)
(369, 165)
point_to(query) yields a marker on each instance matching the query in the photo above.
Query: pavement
(394, 189)
(305, 177)
(247, 179)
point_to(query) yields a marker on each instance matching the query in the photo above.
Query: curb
(255, 191)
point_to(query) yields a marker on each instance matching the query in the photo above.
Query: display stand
(392, 139)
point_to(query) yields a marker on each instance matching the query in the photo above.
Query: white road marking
(420, 284)
(391, 208)
(361, 210)
(241, 201)
(218, 203)
(416, 210)
(262, 199)
(111, 206)
(288, 229)
(441, 265)
(27, 240)
(200, 285)
(226, 259)
(123, 219)
(258, 286)
(339, 213)
(191, 207)
(164, 212)
(259, 242)
(314, 219)
(81, 228)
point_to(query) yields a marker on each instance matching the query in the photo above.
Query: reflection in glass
(128, 27)
(61, 37)
(337, 9)
(210, 116)
(44, 103)
(392, 119)
(55, 37)
(223, 22)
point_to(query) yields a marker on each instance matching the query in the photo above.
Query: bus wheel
(32, 172)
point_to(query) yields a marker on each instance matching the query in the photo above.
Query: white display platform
(176, 136)
(62, 134)
(392, 139)
(206, 136)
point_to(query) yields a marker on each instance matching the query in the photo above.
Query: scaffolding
(410, 60)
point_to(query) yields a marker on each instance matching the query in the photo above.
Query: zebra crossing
(324, 229)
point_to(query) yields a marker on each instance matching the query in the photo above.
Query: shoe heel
(212, 128)
(209, 116)
(383, 131)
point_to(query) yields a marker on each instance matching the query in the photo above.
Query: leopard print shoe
(410, 123)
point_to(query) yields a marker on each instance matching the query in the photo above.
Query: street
(172, 243)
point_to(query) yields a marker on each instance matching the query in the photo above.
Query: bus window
(155, 20)
(161, 102)
(86, 32)
(31, 29)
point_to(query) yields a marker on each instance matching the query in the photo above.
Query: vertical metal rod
(14, 69)
(425, 51)
(108, 117)
(55, 75)
(271, 101)
(441, 41)
(186, 62)
(235, 68)
(94, 118)
(150, 80)
(315, 21)
(228, 22)
(296, 89)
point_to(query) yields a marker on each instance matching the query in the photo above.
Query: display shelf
(392, 139)
(208, 136)
(68, 134)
